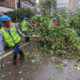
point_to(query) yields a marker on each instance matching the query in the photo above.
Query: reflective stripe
(8, 38)
(14, 28)
(2, 33)
(12, 38)
(14, 35)
(5, 37)
(24, 26)
(11, 42)
(17, 38)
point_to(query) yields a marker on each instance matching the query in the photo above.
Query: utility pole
(11, 3)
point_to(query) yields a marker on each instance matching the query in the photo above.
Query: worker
(25, 24)
(11, 35)
(54, 21)
(1, 45)
(35, 25)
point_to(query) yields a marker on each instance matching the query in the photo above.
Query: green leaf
(20, 72)
(9, 62)
(3, 76)
(77, 68)
(9, 73)
(60, 66)
(26, 61)
(33, 61)
(22, 79)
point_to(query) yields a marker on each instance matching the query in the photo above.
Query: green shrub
(65, 37)
(60, 52)
(0, 24)
(19, 14)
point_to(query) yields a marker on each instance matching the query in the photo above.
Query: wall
(71, 4)
(8, 3)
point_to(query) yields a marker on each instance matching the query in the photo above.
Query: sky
(37, 1)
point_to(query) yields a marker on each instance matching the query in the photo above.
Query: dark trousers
(16, 51)
(27, 34)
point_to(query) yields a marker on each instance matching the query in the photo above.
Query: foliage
(65, 34)
(60, 66)
(0, 24)
(65, 37)
(78, 58)
(69, 19)
(19, 14)
(75, 22)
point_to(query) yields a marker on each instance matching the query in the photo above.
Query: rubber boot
(14, 59)
(21, 55)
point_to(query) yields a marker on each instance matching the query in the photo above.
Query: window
(62, 3)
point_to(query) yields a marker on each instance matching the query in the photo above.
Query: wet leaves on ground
(22, 79)
(52, 77)
(20, 72)
(72, 74)
(33, 61)
(8, 62)
(60, 66)
(26, 54)
(2, 76)
(9, 73)
(2, 65)
(77, 68)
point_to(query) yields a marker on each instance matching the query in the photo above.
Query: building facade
(70, 4)
(8, 3)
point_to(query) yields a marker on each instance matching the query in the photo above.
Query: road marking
(5, 55)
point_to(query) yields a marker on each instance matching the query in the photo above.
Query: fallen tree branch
(34, 36)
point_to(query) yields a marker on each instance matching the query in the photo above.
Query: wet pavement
(40, 66)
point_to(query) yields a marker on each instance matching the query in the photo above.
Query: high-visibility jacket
(24, 25)
(51, 24)
(55, 22)
(11, 39)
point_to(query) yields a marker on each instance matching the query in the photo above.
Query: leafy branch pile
(66, 39)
